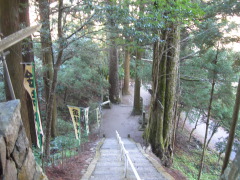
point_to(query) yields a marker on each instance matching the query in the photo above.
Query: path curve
(119, 118)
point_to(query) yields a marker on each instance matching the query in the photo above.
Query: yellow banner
(75, 115)
(30, 86)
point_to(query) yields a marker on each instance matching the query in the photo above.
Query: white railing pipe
(127, 158)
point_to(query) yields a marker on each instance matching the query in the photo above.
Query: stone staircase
(107, 165)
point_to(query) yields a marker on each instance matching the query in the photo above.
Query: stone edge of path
(93, 163)
(154, 162)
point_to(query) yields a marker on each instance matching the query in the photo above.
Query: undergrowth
(187, 160)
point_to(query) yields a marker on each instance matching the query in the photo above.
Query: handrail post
(126, 162)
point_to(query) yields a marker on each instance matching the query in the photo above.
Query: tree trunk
(54, 118)
(165, 60)
(47, 58)
(209, 113)
(113, 59)
(195, 127)
(65, 96)
(179, 116)
(212, 134)
(54, 82)
(184, 122)
(137, 85)
(113, 74)
(137, 102)
(126, 72)
(28, 56)
(9, 23)
(232, 129)
(207, 125)
(174, 125)
(127, 58)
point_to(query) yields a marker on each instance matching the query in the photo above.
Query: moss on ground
(187, 160)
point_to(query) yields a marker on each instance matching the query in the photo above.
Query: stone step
(109, 170)
(107, 177)
(110, 166)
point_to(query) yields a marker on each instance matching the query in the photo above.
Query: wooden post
(8, 78)
(62, 157)
(143, 120)
(53, 160)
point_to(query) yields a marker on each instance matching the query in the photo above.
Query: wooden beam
(18, 36)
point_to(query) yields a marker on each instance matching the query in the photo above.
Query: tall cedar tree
(137, 85)
(113, 58)
(9, 23)
(137, 102)
(127, 59)
(164, 73)
(28, 56)
(126, 71)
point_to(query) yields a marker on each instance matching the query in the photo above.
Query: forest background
(87, 50)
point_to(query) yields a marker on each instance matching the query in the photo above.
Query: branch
(188, 56)
(81, 27)
(187, 79)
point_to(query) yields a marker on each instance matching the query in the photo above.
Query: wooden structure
(10, 41)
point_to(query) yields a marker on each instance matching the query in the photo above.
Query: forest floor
(118, 118)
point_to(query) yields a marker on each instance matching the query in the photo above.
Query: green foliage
(188, 164)
(37, 155)
(83, 74)
(144, 70)
(64, 141)
(197, 75)
(66, 137)
(64, 127)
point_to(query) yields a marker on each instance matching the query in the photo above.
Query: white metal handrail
(106, 102)
(127, 160)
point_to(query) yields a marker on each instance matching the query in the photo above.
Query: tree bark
(28, 56)
(184, 122)
(113, 60)
(232, 129)
(195, 127)
(165, 60)
(208, 118)
(54, 82)
(137, 86)
(9, 23)
(113, 74)
(174, 125)
(207, 125)
(179, 116)
(126, 72)
(212, 134)
(137, 102)
(47, 58)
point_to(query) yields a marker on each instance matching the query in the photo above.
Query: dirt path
(119, 118)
